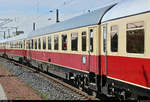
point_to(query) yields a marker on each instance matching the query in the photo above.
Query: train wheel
(94, 94)
(5, 56)
(41, 67)
(81, 86)
(47, 69)
(28, 63)
(20, 60)
(122, 95)
(82, 83)
(76, 81)
(38, 68)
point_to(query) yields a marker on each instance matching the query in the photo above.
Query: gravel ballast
(48, 89)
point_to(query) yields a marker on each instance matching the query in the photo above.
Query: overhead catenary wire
(65, 3)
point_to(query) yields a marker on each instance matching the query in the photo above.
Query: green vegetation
(43, 95)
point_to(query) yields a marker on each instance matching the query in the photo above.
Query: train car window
(74, 41)
(114, 38)
(32, 44)
(8, 44)
(49, 43)
(104, 37)
(135, 37)
(91, 40)
(135, 25)
(35, 43)
(21, 44)
(56, 42)
(64, 42)
(39, 41)
(27, 45)
(44, 43)
(24, 44)
(17, 44)
(83, 41)
(11, 44)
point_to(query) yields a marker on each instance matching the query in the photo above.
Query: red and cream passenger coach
(105, 51)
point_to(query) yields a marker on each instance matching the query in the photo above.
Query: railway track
(85, 95)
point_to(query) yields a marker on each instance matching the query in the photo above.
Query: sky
(24, 12)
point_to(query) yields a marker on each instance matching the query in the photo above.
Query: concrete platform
(2, 93)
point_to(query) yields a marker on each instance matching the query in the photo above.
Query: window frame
(114, 31)
(35, 44)
(44, 44)
(49, 48)
(63, 48)
(82, 36)
(32, 46)
(56, 44)
(91, 45)
(76, 48)
(134, 29)
(39, 43)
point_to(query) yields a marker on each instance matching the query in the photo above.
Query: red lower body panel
(69, 60)
(133, 70)
(2, 50)
(17, 52)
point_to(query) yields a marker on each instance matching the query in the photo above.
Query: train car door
(104, 70)
(24, 47)
(91, 51)
(4, 47)
(29, 53)
(31, 47)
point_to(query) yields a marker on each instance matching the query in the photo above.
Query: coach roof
(126, 8)
(19, 37)
(88, 19)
